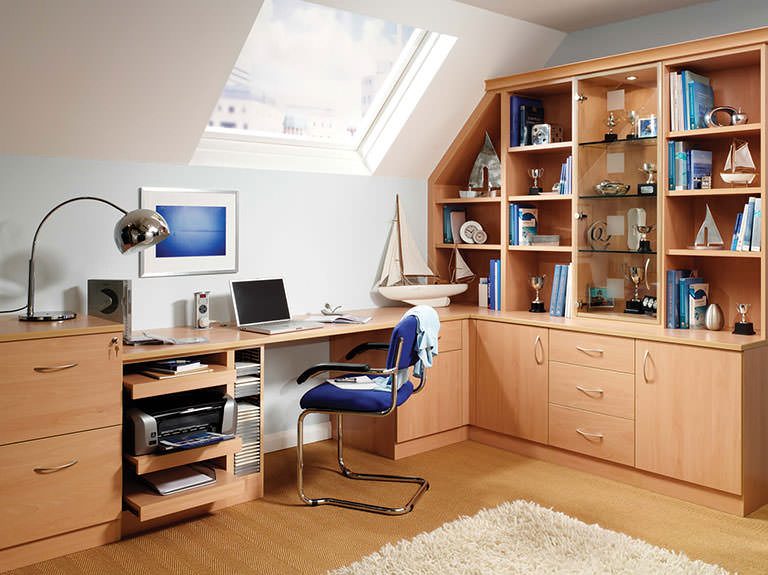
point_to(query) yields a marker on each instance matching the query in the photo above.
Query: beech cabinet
(688, 414)
(511, 382)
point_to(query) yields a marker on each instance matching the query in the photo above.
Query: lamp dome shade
(140, 229)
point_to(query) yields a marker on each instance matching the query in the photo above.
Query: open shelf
(156, 462)
(741, 191)
(713, 253)
(541, 198)
(541, 148)
(142, 386)
(540, 248)
(469, 246)
(147, 504)
(469, 200)
(717, 131)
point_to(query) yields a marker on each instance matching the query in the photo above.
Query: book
(683, 300)
(748, 224)
(701, 98)
(180, 478)
(492, 285)
(447, 211)
(514, 120)
(497, 286)
(560, 304)
(736, 232)
(527, 225)
(458, 217)
(174, 365)
(757, 219)
(482, 292)
(701, 165)
(512, 224)
(339, 318)
(554, 291)
(529, 117)
(745, 223)
(697, 304)
(155, 374)
(569, 291)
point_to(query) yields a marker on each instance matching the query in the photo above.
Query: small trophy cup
(648, 188)
(632, 118)
(537, 283)
(743, 327)
(636, 275)
(610, 135)
(644, 247)
(535, 173)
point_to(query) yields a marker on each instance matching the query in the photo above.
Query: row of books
(453, 218)
(523, 224)
(691, 98)
(494, 285)
(566, 176)
(561, 291)
(687, 299)
(747, 233)
(687, 167)
(524, 114)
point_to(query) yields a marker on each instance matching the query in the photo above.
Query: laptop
(261, 307)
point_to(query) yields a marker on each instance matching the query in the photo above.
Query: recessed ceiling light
(630, 78)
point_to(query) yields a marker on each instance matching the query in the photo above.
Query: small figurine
(611, 136)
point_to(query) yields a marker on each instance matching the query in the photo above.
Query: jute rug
(522, 537)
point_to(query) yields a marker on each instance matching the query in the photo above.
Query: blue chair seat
(328, 396)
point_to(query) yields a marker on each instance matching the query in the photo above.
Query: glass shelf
(589, 251)
(625, 196)
(650, 141)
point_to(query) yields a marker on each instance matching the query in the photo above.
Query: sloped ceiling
(115, 79)
(136, 80)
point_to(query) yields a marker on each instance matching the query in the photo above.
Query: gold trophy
(537, 283)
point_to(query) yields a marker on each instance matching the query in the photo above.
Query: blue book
(492, 285)
(447, 231)
(497, 286)
(514, 225)
(685, 284)
(755, 244)
(736, 232)
(560, 306)
(701, 165)
(702, 101)
(514, 108)
(671, 291)
(748, 225)
(689, 77)
(555, 290)
(671, 165)
(511, 224)
(678, 275)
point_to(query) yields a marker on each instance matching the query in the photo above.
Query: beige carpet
(521, 538)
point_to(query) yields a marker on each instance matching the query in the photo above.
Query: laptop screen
(258, 301)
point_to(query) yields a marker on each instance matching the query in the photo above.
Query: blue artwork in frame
(203, 225)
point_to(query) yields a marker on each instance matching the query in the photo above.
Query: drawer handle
(44, 470)
(590, 350)
(589, 392)
(590, 436)
(538, 345)
(55, 368)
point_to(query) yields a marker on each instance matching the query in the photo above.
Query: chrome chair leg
(408, 507)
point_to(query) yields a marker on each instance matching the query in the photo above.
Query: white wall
(690, 23)
(324, 234)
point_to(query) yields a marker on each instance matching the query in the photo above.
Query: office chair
(327, 398)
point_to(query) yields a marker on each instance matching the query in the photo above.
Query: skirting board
(285, 439)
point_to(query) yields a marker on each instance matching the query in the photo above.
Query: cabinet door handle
(589, 392)
(590, 436)
(538, 345)
(44, 470)
(55, 368)
(646, 356)
(590, 350)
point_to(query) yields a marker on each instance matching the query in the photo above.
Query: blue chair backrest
(407, 329)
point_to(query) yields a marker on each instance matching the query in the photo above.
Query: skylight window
(312, 73)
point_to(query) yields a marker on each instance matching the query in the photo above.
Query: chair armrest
(363, 347)
(320, 367)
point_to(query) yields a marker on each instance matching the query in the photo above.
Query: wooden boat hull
(435, 295)
(737, 178)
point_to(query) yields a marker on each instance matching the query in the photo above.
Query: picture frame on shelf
(646, 127)
(204, 232)
(597, 298)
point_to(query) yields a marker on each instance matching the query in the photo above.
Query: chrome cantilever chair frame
(348, 473)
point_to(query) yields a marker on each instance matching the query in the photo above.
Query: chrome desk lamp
(134, 232)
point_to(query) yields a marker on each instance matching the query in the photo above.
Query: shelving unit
(576, 97)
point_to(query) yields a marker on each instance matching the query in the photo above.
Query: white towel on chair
(426, 336)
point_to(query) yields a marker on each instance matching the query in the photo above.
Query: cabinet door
(511, 392)
(688, 414)
(440, 405)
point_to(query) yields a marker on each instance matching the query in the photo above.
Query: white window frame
(393, 105)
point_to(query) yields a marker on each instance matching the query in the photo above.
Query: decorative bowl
(610, 188)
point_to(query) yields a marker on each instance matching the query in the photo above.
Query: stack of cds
(248, 459)
(248, 369)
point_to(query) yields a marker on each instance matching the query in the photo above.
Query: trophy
(537, 283)
(648, 188)
(610, 135)
(743, 327)
(535, 173)
(632, 118)
(644, 247)
(636, 275)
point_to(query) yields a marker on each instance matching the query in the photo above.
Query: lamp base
(48, 316)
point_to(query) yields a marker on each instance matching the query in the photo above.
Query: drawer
(601, 351)
(450, 336)
(41, 395)
(594, 434)
(599, 390)
(38, 504)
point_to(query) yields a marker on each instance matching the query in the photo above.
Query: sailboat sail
(461, 270)
(413, 263)
(739, 158)
(390, 271)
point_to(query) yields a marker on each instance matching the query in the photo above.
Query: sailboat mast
(399, 239)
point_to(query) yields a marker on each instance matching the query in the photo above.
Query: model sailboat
(404, 271)
(739, 167)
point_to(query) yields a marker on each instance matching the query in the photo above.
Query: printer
(162, 424)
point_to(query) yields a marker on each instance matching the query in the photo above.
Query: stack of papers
(178, 479)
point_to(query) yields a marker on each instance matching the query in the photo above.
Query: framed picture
(597, 298)
(203, 238)
(646, 127)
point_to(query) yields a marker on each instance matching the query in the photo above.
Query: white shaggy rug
(522, 537)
